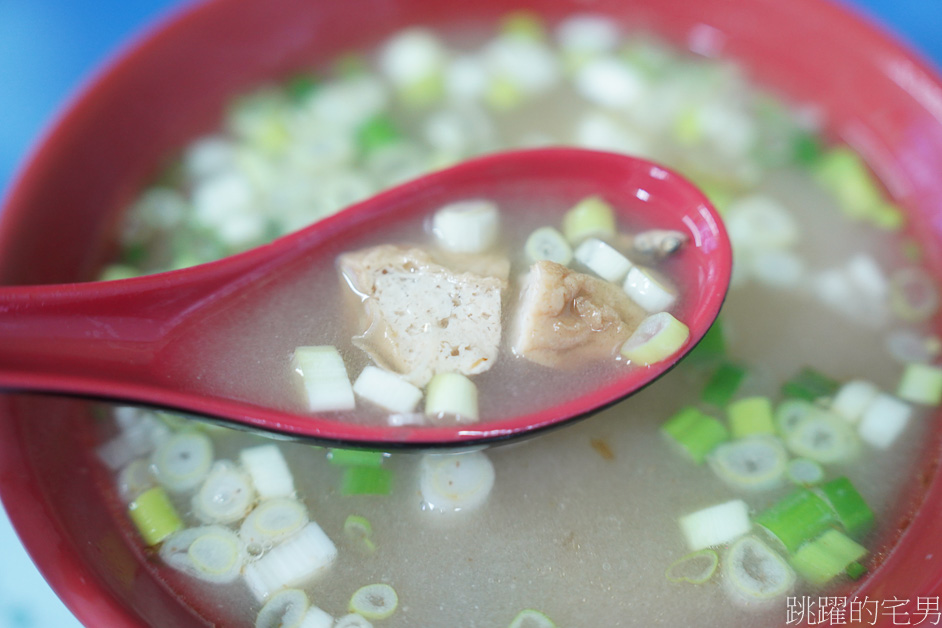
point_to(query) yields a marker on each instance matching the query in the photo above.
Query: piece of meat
(567, 319)
(418, 317)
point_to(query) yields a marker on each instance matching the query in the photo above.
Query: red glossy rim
(913, 567)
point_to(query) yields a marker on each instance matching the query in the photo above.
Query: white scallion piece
(269, 471)
(182, 462)
(760, 222)
(756, 463)
(867, 276)
(285, 609)
(387, 390)
(914, 296)
(452, 395)
(603, 260)
(853, 398)
(823, 437)
(546, 243)
(374, 601)
(658, 337)
(134, 479)
(791, 412)
(272, 521)
(922, 384)
(588, 33)
(411, 57)
(716, 525)
(804, 472)
(753, 572)
(325, 378)
(455, 482)
(210, 553)
(652, 293)
(608, 82)
(353, 620)
(227, 494)
(470, 226)
(292, 563)
(317, 618)
(530, 618)
(884, 421)
(777, 268)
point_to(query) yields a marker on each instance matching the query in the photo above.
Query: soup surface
(583, 526)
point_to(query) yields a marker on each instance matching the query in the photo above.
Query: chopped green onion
(546, 243)
(821, 560)
(226, 496)
(300, 86)
(921, 383)
(291, 563)
(154, 516)
(797, 518)
(530, 618)
(602, 259)
(804, 472)
(711, 346)
(525, 24)
(853, 398)
(269, 470)
(750, 416)
(884, 421)
(366, 481)
(716, 525)
(452, 395)
(824, 437)
(723, 384)
(470, 226)
(377, 132)
(658, 337)
(695, 567)
(374, 601)
(806, 147)
(455, 482)
(756, 463)
(324, 378)
(809, 385)
(272, 521)
(752, 572)
(855, 570)
(791, 412)
(842, 172)
(848, 505)
(359, 531)
(355, 457)
(182, 462)
(285, 609)
(211, 553)
(695, 432)
(591, 216)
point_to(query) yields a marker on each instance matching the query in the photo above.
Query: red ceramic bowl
(59, 222)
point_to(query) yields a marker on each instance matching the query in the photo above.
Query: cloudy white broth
(766, 466)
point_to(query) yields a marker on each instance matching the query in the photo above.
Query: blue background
(48, 47)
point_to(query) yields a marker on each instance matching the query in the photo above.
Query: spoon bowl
(132, 339)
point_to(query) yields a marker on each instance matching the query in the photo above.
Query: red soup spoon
(152, 339)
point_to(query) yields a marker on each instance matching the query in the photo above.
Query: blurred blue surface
(48, 47)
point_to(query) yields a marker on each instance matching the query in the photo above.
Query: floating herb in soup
(766, 465)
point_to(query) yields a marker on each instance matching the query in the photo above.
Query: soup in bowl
(791, 457)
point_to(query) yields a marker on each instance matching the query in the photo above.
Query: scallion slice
(756, 463)
(657, 338)
(602, 259)
(387, 390)
(374, 601)
(809, 384)
(366, 481)
(154, 515)
(134, 479)
(317, 618)
(791, 412)
(853, 398)
(723, 384)
(754, 572)
(712, 346)
(210, 553)
(716, 525)
(696, 433)
(353, 620)
(269, 471)
(750, 417)
(359, 531)
(848, 505)
(303, 556)
(455, 482)
(922, 384)
(530, 618)
(452, 395)
(651, 292)
(824, 437)
(285, 609)
(182, 462)
(821, 560)
(797, 518)
(226, 496)
(355, 457)
(546, 243)
(804, 472)
(696, 567)
(272, 521)
(324, 378)
(590, 216)
(884, 421)
(470, 226)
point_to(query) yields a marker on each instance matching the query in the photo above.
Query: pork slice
(567, 319)
(418, 317)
